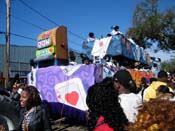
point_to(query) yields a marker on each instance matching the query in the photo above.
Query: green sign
(45, 52)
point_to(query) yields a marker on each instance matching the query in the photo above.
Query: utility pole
(7, 60)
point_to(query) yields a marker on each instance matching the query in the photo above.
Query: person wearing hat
(150, 91)
(126, 87)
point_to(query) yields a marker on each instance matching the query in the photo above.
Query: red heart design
(72, 98)
(101, 43)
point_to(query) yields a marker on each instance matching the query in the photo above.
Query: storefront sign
(43, 43)
(45, 52)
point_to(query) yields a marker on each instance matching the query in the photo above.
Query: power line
(29, 23)
(75, 50)
(34, 25)
(76, 35)
(39, 27)
(37, 12)
(2, 32)
(34, 10)
(23, 36)
(74, 43)
(50, 20)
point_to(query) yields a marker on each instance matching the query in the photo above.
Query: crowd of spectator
(115, 104)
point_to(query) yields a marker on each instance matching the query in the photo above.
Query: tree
(151, 25)
(168, 66)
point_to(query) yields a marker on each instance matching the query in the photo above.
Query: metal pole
(7, 61)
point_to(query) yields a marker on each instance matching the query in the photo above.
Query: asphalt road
(68, 125)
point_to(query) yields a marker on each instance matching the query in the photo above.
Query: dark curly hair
(155, 115)
(34, 97)
(102, 100)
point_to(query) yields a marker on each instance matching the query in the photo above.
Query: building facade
(20, 57)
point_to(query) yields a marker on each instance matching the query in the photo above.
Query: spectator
(155, 115)
(143, 86)
(16, 91)
(150, 91)
(15, 87)
(173, 79)
(16, 79)
(11, 83)
(33, 116)
(105, 112)
(163, 92)
(152, 79)
(85, 59)
(3, 91)
(126, 87)
(2, 128)
(72, 58)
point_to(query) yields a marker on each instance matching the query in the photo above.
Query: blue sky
(79, 16)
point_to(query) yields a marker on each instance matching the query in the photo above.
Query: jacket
(101, 126)
(150, 91)
(39, 120)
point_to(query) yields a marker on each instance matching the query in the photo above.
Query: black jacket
(38, 122)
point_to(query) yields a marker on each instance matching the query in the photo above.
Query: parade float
(64, 87)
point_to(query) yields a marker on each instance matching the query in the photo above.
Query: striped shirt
(27, 117)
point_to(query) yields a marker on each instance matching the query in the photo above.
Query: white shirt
(113, 32)
(130, 103)
(72, 63)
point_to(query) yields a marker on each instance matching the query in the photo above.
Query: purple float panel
(65, 88)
